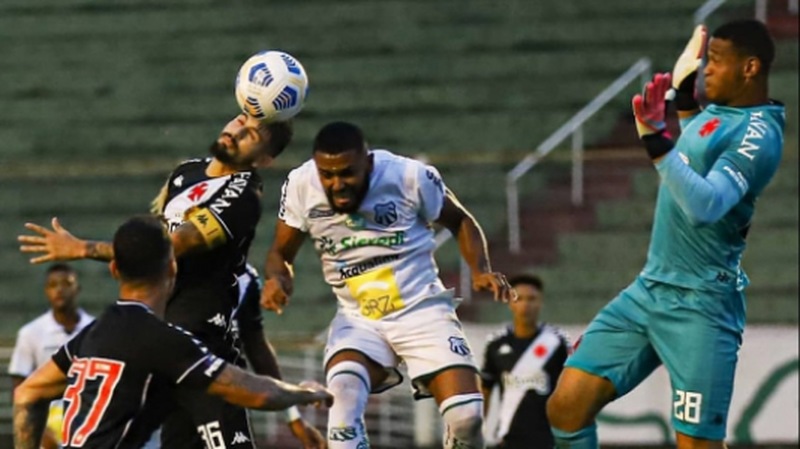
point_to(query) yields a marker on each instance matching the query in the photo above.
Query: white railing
(704, 11)
(641, 69)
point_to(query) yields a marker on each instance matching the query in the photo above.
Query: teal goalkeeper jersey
(745, 144)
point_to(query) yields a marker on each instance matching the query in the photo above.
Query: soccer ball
(271, 86)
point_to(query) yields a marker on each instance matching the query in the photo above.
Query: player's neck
(216, 168)
(153, 296)
(753, 97)
(525, 330)
(67, 318)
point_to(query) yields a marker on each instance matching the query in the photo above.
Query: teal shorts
(695, 334)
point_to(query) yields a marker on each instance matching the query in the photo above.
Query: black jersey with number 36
(226, 211)
(118, 369)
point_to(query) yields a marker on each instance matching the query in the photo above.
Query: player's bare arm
(31, 404)
(58, 244)
(245, 389)
(472, 244)
(278, 284)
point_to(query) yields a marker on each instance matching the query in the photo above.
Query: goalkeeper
(686, 309)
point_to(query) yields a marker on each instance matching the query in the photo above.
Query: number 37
(687, 406)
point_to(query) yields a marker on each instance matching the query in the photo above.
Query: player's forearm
(29, 421)
(276, 266)
(261, 355)
(703, 200)
(244, 389)
(472, 244)
(102, 251)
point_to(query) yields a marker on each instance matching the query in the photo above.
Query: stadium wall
(764, 409)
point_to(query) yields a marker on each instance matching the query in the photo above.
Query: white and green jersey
(379, 260)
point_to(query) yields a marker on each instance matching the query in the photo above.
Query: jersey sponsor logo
(459, 346)
(348, 271)
(328, 245)
(377, 293)
(385, 213)
(198, 191)
(684, 158)
(234, 189)
(239, 438)
(709, 127)
(320, 213)
(539, 381)
(342, 433)
(218, 320)
(756, 130)
(738, 177)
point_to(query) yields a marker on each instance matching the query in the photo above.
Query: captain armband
(209, 226)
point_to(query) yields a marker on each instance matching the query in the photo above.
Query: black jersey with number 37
(226, 211)
(117, 371)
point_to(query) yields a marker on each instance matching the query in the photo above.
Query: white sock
(349, 383)
(463, 418)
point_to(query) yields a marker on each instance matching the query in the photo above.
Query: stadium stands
(92, 86)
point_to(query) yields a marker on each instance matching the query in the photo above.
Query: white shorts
(428, 337)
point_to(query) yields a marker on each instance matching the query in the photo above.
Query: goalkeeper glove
(684, 74)
(649, 109)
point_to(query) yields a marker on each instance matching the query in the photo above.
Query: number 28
(687, 406)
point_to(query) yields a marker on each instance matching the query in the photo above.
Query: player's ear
(112, 267)
(752, 67)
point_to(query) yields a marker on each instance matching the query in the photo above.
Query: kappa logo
(504, 349)
(240, 438)
(177, 182)
(385, 213)
(459, 346)
(218, 320)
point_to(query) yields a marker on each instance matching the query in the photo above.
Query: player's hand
(275, 294)
(649, 107)
(322, 395)
(54, 245)
(308, 435)
(684, 74)
(496, 283)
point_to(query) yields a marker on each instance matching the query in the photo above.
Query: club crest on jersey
(385, 213)
(459, 346)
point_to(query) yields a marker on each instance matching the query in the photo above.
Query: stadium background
(100, 99)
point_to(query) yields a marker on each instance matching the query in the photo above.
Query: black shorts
(201, 421)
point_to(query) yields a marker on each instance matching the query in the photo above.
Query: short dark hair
(527, 279)
(339, 137)
(59, 268)
(142, 248)
(750, 38)
(280, 134)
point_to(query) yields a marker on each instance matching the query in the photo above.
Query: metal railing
(704, 11)
(641, 69)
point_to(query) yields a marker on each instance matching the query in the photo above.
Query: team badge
(459, 346)
(385, 213)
